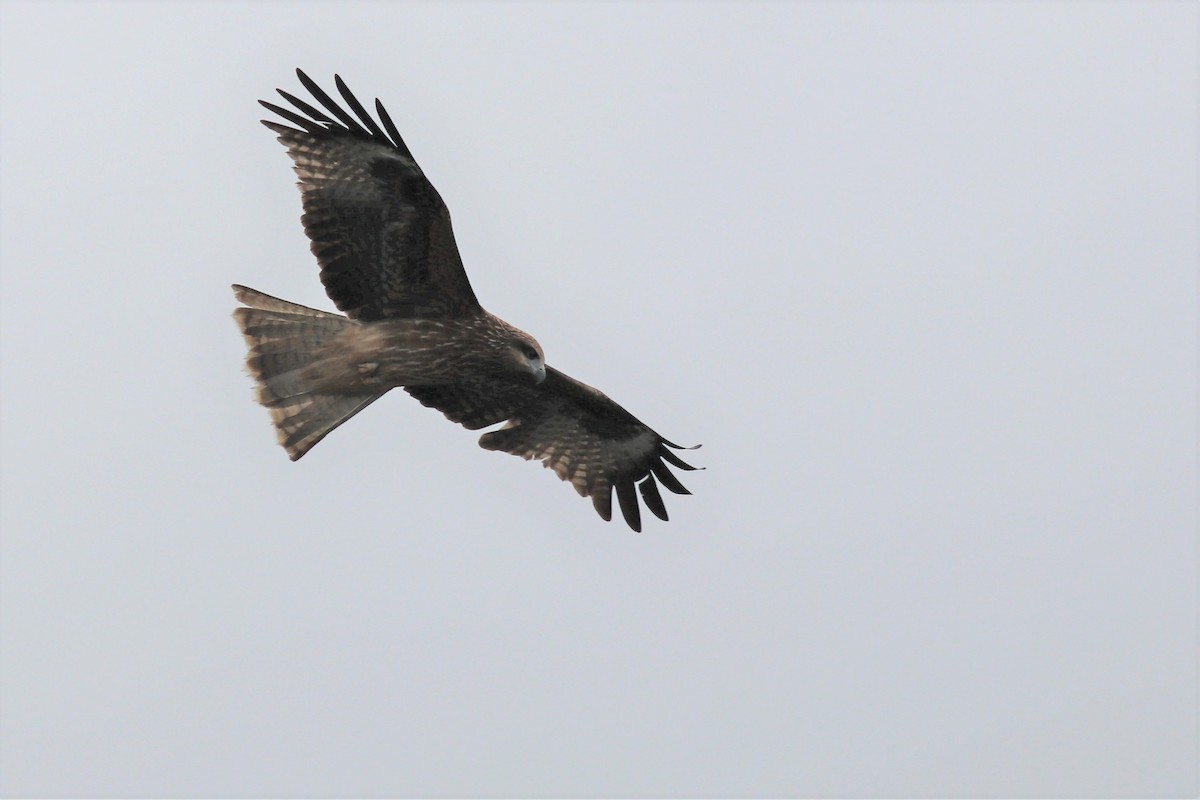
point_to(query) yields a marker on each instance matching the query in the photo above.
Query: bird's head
(527, 354)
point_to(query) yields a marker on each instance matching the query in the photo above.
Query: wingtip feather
(667, 478)
(602, 502)
(675, 460)
(629, 505)
(652, 498)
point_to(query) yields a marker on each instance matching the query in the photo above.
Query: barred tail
(282, 338)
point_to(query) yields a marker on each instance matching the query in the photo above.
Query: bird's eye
(530, 353)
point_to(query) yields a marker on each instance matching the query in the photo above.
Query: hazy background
(922, 279)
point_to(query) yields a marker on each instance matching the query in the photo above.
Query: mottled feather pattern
(575, 430)
(383, 239)
(379, 229)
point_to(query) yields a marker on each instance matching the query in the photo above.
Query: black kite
(382, 236)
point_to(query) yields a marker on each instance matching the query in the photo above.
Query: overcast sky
(920, 277)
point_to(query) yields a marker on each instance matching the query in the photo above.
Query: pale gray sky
(921, 277)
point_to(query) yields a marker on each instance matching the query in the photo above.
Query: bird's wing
(586, 438)
(378, 228)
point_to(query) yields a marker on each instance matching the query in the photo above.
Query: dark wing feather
(379, 229)
(586, 438)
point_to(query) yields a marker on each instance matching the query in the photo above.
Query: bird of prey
(388, 259)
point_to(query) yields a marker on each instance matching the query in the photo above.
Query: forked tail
(283, 338)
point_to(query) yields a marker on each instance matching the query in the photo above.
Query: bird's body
(416, 352)
(388, 259)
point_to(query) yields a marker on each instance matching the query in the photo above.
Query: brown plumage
(383, 239)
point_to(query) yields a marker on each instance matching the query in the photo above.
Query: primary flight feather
(382, 237)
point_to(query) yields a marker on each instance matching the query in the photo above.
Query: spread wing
(379, 229)
(576, 430)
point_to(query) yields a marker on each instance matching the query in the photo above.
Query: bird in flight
(382, 237)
